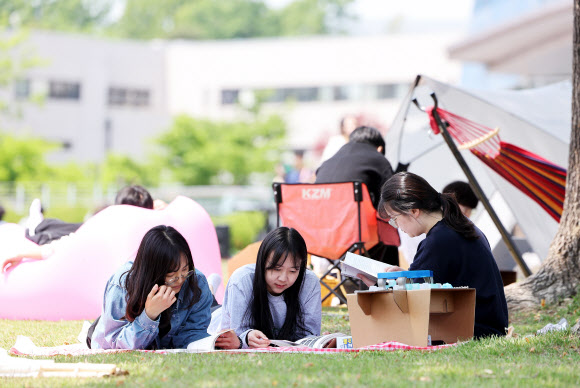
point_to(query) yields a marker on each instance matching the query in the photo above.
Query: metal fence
(217, 200)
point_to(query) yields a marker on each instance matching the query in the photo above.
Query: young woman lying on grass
(276, 298)
(158, 302)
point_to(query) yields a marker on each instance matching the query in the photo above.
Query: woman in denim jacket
(158, 302)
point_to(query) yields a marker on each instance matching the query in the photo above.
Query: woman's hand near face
(228, 340)
(257, 339)
(159, 300)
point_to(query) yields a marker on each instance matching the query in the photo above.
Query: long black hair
(279, 245)
(405, 191)
(159, 253)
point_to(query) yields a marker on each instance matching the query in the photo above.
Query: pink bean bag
(70, 283)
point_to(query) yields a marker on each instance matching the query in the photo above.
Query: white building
(112, 95)
(99, 95)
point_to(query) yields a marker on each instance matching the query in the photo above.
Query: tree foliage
(121, 170)
(23, 159)
(229, 19)
(199, 19)
(201, 152)
(61, 15)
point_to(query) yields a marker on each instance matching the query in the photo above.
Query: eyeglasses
(171, 281)
(393, 221)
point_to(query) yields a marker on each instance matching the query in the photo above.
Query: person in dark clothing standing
(454, 248)
(363, 159)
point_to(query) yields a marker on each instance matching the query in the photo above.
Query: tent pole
(477, 188)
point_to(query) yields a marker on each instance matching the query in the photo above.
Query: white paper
(354, 264)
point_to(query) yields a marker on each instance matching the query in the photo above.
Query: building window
(138, 97)
(64, 90)
(128, 97)
(295, 94)
(22, 89)
(305, 94)
(341, 93)
(386, 91)
(230, 96)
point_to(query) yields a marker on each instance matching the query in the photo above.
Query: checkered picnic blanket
(25, 347)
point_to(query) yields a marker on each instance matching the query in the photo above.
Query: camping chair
(333, 218)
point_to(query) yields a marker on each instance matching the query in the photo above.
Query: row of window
(119, 96)
(323, 93)
(62, 90)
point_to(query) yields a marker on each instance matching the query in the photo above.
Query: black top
(357, 162)
(51, 229)
(461, 262)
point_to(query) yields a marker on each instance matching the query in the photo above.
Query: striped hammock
(537, 177)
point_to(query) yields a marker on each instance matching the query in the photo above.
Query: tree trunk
(559, 276)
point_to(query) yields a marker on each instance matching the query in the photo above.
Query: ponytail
(455, 219)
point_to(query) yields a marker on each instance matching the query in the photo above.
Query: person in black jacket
(363, 159)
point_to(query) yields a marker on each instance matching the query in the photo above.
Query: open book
(313, 341)
(206, 344)
(353, 264)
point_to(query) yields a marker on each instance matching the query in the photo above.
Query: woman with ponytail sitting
(454, 248)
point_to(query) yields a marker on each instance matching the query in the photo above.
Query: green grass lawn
(526, 360)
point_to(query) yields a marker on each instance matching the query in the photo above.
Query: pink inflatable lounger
(70, 284)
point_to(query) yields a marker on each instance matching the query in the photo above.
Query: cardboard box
(410, 317)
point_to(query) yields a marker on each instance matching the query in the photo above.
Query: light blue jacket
(187, 324)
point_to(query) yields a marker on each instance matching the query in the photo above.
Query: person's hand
(159, 204)
(331, 344)
(159, 300)
(9, 262)
(228, 340)
(370, 282)
(257, 339)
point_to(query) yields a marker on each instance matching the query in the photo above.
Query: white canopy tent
(538, 120)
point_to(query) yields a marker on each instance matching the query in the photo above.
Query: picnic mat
(25, 367)
(25, 347)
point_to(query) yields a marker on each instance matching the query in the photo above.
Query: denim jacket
(187, 324)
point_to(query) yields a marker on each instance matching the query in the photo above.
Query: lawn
(526, 360)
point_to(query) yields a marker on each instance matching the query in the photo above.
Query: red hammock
(537, 177)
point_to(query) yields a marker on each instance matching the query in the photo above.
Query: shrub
(245, 227)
